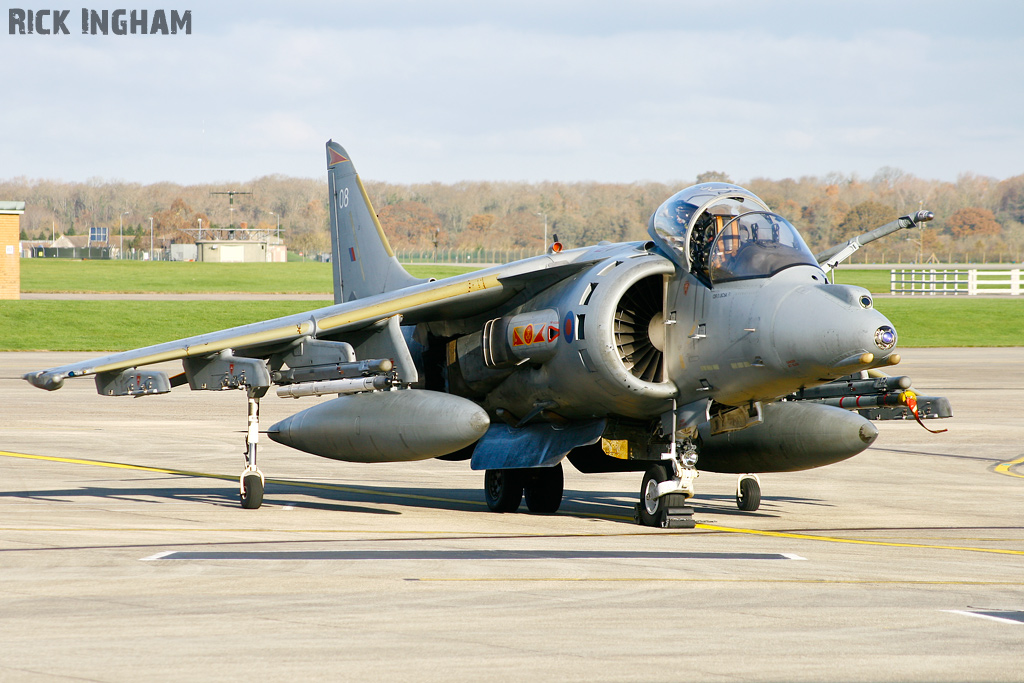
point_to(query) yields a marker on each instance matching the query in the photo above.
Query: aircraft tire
(252, 491)
(653, 511)
(503, 490)
(543, 491)
(748, 498)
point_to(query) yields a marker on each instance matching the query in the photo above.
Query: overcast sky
(438, 90)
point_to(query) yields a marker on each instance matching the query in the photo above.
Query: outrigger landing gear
(250, 484)
(666, 486)
(748, 492)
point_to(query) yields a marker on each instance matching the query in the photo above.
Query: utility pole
(151, 238)
(120, 232)
(545, 229)
(278, 223)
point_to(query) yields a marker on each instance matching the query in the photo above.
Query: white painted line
(1001, 620)
(288, 507)
(158, 556)
(791, 556)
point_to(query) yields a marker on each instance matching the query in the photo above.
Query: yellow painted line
(1007, 467)
(252, 530)
(116, 465)
(854, 541)
(225, 477)
(654, 579)
(439, 499)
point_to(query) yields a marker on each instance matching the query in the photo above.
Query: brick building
(10, 254)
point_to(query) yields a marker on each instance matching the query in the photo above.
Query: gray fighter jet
(717, 345)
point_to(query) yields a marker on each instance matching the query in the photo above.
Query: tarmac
(124, 554)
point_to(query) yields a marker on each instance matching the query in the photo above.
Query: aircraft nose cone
(822, 334)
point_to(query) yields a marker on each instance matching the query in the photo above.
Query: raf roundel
(567, 327)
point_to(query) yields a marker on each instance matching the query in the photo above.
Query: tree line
(974, 213)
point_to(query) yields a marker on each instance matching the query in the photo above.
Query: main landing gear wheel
(748, 494)
(503, 490)
(251, 490)
(543, 489)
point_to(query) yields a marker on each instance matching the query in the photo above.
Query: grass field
(875, 281)
(121, 325)
(955, 322)
(165, 277)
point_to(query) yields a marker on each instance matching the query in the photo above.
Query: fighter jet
(719, 345)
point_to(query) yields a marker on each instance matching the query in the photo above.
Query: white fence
(936, 282)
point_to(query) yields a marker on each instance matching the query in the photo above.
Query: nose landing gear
(665, 488)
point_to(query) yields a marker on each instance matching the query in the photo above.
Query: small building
(184, 251)
(239, 244)
(10, 251)
(237, 251)
(34, 248)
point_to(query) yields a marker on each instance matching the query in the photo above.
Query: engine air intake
(639, 330)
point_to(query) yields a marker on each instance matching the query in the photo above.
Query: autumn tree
(411, 224)
(863, 217)
(713, 177)
(518, 230)
(821, 217)
(171, 224)
(479, 232)
(973, 221)
(1011, 198)
(309, 243)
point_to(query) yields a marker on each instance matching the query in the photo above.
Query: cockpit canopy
(722, 232)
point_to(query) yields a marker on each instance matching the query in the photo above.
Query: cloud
(565, 91)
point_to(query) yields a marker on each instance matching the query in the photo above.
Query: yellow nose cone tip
(867, 358)
(894, 359)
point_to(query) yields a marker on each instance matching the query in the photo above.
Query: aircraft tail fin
(362, 260)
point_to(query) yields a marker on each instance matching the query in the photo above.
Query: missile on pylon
(384, 426)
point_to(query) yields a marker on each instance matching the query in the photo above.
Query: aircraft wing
(457, 297)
